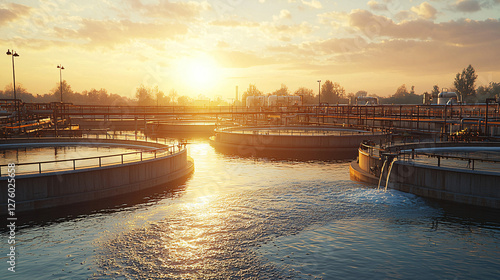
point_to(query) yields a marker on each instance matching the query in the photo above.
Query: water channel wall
(293, 146)
(473, 187)
(53, 189)
(463, 186)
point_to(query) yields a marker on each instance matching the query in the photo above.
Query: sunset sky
(210, 47)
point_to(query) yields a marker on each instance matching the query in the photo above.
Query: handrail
(411, 155)
(155, 153)
(291, 131)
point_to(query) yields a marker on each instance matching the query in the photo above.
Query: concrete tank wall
(292, 141)
(302, 147)
(463, 186)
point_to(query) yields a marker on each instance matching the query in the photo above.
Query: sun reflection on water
(265, 220)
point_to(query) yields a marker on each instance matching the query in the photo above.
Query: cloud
(425, 11)
(239, 59)
(222, 44)
(12, 12)
(287, 30)
(374, 5)
(461, 32)
(335, 19)
(415, 47)
(34, 44)
(110, 33)
(313, 3)
(276, 30)
(234, 22)
(337, 45)
(166, 8)
(467, 6)
(284, 14)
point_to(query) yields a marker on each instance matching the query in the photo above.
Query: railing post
(122, 158)
(439, 161)
(99, 161)
(141, 155)
(74, 165)
(40, 167)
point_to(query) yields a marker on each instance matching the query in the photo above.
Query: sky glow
(210, 47)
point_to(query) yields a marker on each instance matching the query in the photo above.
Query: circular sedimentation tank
(453, 171)
(52, 172)
(292, 142)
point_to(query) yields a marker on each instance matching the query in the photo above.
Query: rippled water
(244, 218)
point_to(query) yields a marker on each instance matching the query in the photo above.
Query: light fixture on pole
(60, 78)
(319, 92)
(14, 54)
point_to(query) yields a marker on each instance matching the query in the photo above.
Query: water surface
(244, 218)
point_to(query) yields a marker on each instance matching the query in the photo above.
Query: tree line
(330, 93)
(145, 96)
(333, 93)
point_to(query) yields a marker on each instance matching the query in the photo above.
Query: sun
(200, 72)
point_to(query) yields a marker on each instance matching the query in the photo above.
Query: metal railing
(294, 131)
(372, 149)
(452, 161)
(92, 162)
(128, 137)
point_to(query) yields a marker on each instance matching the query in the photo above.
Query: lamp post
(319, 92)
(60, 78)
(14, 54)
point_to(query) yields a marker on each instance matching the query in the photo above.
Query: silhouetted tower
(236, 99)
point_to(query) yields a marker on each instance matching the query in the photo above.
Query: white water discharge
(382, 173)
(389, 173)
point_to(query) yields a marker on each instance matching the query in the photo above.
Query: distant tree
(282, 91)
(183, 100)
(361, 93)
(251, 91)
(402, 96)
(218, 101)
(331, 92)
(465, 83)
(490, 91)
(67, 92)
(308, 96)
(401, 91)
(144, 96)
(173, 95)
(21, 93)
(158, 95)
(69, 96)
(339, 92)
(435, 91)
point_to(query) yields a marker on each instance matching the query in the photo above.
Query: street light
(14, 54)
(60, 78)
(319, 92)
